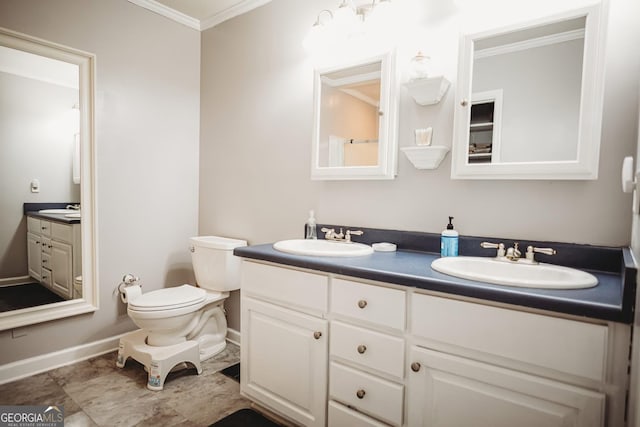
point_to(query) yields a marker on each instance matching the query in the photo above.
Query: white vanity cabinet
(54, 254)
(405, 357)
(473, 364)
(285, 341)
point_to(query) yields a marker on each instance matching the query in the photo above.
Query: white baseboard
(233, 336)
(45, 362)
(19, 280)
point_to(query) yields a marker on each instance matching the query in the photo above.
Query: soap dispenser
(310, 227)
(449, 240)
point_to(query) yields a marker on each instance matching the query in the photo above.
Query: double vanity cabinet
(54, 255)
(325, 349)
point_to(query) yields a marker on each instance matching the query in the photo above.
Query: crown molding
(530, 44)
(200, 25)
(231, 12)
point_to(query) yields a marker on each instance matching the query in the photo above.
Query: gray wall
(36, 141)
(257, 88)
(147, 113)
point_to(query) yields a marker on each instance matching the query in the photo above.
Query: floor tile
(96, 393)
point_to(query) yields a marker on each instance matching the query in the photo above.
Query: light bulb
(345, 20)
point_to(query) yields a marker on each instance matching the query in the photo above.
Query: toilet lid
(169, 298)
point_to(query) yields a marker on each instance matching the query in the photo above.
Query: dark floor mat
(232, 372)
(245, 418)
(16, 297)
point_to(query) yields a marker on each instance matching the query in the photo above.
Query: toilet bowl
(184, 313)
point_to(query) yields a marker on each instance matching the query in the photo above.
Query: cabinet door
(284, 361)
(34, 255)
(450, 391)
(61, 269)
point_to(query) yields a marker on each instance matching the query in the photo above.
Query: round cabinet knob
(192, 249)
(464, 102)
(415, 366)
(362, 348)
(317, 335)
(362, 303)
(44, 261)
(360, 393)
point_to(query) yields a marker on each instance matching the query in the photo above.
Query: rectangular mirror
(355, 113)
(47, 127)
(530, 100)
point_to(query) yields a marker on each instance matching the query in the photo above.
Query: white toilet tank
(214, 264)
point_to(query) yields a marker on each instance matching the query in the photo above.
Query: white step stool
(158, 361)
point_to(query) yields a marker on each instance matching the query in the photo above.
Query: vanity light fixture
(346, 22)
(318, 33)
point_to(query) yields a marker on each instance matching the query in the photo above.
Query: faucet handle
(531, 250)
(328, 232)
(350, 233)
(498, 246)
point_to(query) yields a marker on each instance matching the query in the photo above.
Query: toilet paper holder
(128, 280)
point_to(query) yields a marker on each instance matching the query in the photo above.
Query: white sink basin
(58, 211)
(322, 248)
(490, 270)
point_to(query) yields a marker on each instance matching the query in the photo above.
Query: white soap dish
(384, 247)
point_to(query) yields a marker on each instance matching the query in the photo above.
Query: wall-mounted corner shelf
(428, 91)
(425, 156)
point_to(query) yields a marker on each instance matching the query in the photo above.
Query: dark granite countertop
(31, 209)
(612, 299)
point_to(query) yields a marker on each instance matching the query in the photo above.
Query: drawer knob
(44, 261)
(362, 303)
(362, 348)
(317, 335)
(415, 366)
(360, 393)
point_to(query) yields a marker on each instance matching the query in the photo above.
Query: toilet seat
(169, 299)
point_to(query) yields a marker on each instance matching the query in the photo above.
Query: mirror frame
(86, 64)
(387, 129)
(585, 167)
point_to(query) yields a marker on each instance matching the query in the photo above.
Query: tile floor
(97, 393)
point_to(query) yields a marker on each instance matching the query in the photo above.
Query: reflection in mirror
(47, 152)
(350, 139)
(355, 115)
(531, 100)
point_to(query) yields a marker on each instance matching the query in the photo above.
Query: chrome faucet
(514, 255)
(74, 207)
(330, 234)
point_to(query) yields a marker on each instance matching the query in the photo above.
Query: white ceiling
(200, 14)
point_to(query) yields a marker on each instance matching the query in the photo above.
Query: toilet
(183, 323)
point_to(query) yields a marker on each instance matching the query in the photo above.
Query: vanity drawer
(341, 416)
(375, 350)
(46, 245)
(380, 398)
(46, 277)
(568, 346)
(291, 287)
(374, 304)
(61, 232)
(45, 228)
(33, 225)
(46, 261)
